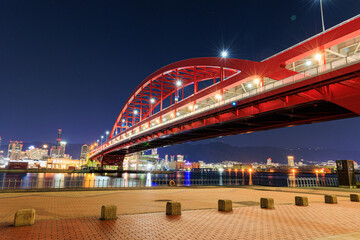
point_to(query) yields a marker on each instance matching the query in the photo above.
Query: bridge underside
(310, 112)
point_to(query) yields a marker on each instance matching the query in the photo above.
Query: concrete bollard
(224, 205)
(173, 208)
(267, 203)
(108, 212)
(332, 199)
(24, 217)
(301, 201)
(355, 197)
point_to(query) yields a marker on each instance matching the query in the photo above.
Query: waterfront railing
(30, 184)
(312, 182)
(15, 184)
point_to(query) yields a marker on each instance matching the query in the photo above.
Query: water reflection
(91, 180)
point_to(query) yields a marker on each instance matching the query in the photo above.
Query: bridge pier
(117, 160)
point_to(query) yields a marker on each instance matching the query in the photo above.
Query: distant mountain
(218, 152)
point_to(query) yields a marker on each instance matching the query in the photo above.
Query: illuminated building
(58, 151)
(180, 158)
(65, 163)
(37, 153)
(183, 165)
(84, 152)
(268, 162)
(291, 161)
(140, 161)
(14, 150)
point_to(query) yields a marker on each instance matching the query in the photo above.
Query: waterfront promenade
(75, 214)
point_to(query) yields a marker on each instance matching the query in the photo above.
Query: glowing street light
(178, 83)
(45, 146)
(308, 63)
(224, 54)
(249, 85)
(257, 81)
(136, 112)
(318, 56)
(152, 100)
(218, 97)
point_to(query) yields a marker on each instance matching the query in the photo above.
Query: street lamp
(178, 83)
(322, 16)
(107, 134)
(102, 137)
(224, 54)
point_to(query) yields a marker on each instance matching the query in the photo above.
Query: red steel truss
(330, 93)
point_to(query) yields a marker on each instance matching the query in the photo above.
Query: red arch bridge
(315, 80)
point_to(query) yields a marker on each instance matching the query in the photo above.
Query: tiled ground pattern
(285, 222)
(59, 205)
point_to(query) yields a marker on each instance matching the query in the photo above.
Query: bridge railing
(312, 182)
(330, 66)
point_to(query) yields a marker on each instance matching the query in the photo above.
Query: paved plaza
(75, 215)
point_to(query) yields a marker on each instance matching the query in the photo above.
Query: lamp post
(107, 134)
(322, 16)
(102, 137)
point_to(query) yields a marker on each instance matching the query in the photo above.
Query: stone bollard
(301, 201)
(331, 199)
(173, 208)
(224, 205)
(267, 203)
(108, 212)
(355, 197)
(24, 217)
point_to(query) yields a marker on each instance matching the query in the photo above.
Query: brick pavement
(58, 205)
(319, 220)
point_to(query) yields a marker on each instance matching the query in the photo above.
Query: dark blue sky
(72, 64)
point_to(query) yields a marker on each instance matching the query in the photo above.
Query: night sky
(72, 64)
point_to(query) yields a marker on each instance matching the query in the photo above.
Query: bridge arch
(182, 84)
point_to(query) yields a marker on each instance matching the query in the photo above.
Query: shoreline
(78, 171)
